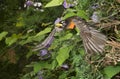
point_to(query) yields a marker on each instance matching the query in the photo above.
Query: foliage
(22, 29)
(54, 3)
(114, 69)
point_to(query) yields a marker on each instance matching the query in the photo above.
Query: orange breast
(71, 25)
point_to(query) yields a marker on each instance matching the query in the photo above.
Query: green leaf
(20, 22)
(84, 4)
(110, 71)
(47, 30)
(66, 37)
(82, 14)
(69, 14)
(11, 40)
(54, 3)
(63, 54)
(29, 39)
(40, 65)
(54, 64)
(38, 37)
(3, 34)
(63, 76)
(82, 51)
(77, 30)
(29, 54)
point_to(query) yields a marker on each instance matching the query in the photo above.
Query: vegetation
(22, 28)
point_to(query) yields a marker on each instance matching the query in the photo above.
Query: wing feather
(93, 40)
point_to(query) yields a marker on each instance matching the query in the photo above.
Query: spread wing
(93, 40)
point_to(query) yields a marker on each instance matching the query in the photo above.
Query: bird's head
(70, 22)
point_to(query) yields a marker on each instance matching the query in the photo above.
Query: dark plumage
(93, 40)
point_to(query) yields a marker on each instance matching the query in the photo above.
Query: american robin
(93, 40)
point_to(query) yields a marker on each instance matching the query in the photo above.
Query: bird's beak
(58, 25)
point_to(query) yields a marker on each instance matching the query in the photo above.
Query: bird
(93, 40)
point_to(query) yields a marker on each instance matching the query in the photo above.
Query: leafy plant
(23, 29)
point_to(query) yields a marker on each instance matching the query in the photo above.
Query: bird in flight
(93, 40)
